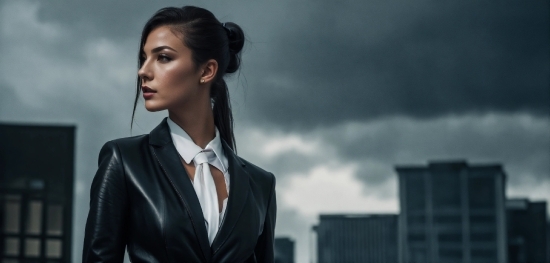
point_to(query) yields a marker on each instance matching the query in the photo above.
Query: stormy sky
(330, 97)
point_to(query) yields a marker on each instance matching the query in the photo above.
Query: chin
(153, 107)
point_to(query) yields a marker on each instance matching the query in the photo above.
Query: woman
(180, 193)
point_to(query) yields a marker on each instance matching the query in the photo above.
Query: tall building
(284, 250)
(36, 193)
(548, 242)
(527, 233)
(357, 238)
(452, 212)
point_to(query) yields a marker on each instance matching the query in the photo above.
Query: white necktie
(206, 192)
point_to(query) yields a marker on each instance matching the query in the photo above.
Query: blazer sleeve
(105, 233)
(264, 250)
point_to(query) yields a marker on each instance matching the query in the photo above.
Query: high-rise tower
(452, 212)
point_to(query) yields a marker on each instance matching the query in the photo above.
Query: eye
(164, 58)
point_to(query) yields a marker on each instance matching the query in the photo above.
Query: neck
(198, 123)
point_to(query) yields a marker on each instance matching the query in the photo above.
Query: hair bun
(236, 42)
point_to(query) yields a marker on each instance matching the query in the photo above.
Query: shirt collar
(188, 149)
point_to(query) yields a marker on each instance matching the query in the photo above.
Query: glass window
(55, 220)
(36, 184)
(484, 254)
(482, 221)
(417, 237)
(446, 189)
(11, 246)
(483, 237)
(417, 255)
(416, 220)
(415, 192)
(32, 247)
(450, 237)
(34, 219)
(450, 254)
(448, 219)
(481, 192)
(53, 248)
(12, 213)
(489, 219)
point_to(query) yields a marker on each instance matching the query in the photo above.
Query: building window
(12, 211)
(448, 219)
(53, 248)
(450, 237)
(488, 255)
(415, 185)
(34, 217)
(446, 190)
(11, 246)
(450, 254)
(481, 192)
(483, 237)
(39, 236)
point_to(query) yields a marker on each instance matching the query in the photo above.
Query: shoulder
(121, 146)
(126, 143)
(258, 175)
(129, 141)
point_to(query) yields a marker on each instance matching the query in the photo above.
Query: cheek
(176, 77)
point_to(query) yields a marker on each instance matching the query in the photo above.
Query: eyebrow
(158, 49)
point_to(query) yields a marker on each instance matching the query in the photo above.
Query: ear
(209, 70)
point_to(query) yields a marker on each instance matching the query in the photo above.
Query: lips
(146, 89)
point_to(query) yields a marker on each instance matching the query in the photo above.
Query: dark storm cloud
(338, 62)
(323, 63)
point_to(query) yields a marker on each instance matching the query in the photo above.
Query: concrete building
(452, 212)
(284, 250)
(527, 233)
(357, 238)
(548, 242)
(36, 193)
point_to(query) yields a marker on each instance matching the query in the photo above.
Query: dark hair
(207, 38)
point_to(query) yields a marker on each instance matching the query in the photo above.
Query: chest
(219, 180)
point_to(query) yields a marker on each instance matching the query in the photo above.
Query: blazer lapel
(239, 187)
(169, 160)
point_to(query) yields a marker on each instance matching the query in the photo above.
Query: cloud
(519, 141)
(335, 189)
(329, 63)
(343, 62)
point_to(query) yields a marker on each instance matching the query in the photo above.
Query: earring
(202, 81)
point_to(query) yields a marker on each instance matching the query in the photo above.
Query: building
(357, 238)
(526, 229)
(548, 242)
(284, 250)
(36, 193)
(452, 212)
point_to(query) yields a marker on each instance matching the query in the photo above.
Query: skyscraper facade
(357, 238)
(284, 250)
(36, 193)
(452, 212)
(548, 241)
(527, 233)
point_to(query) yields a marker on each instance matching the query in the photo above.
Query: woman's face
(169, 78)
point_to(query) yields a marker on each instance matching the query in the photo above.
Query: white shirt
(187, 149)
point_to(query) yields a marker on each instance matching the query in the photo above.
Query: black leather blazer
(141, 197)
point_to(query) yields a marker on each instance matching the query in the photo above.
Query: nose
(144, 73)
